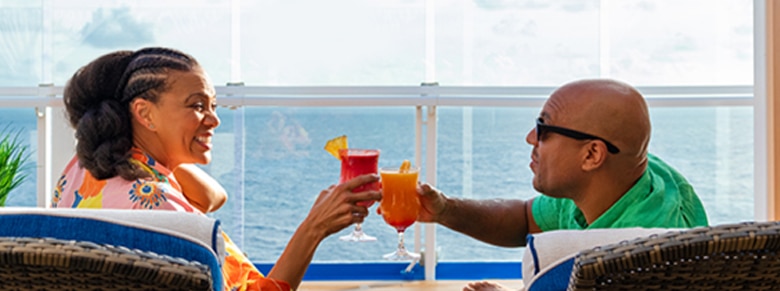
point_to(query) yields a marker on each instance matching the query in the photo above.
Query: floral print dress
(77, 188)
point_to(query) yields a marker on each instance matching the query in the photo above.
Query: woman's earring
(151, 126)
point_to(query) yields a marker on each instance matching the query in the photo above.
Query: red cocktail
(356, 162)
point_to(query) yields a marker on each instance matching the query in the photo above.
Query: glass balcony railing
(269, 156)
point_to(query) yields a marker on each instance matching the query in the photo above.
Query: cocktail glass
(356, 162)
(399, 206)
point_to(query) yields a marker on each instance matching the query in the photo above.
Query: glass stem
(401, 247)
(358, 227)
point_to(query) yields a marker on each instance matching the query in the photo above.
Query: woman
(140, 115)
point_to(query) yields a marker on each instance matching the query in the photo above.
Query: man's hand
(433, 203)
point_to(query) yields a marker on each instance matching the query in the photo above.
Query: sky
(353, 42)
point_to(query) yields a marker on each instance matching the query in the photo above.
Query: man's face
(554, 158)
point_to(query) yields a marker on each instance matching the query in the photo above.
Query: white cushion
(193, 227)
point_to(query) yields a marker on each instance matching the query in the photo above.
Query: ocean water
(271, 161)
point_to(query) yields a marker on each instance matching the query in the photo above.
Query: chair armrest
(729, 257)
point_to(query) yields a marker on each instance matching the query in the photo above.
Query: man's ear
(595, 156)
(141, 111)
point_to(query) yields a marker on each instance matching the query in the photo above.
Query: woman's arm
(334, 209)
(200, 189)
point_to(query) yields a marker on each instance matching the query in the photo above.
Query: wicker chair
(47, 249)
(46, 264)
(726, 257)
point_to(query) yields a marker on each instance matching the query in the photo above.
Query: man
(590, 161)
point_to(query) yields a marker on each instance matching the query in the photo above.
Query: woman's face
(185, 117)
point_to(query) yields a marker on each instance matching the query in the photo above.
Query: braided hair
(97, 100)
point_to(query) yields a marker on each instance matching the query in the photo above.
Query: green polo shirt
(660, 198)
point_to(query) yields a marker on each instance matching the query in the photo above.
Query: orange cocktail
(400, 205)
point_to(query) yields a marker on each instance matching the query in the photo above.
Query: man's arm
(496, 221)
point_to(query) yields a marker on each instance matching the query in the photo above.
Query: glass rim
(359, 149)
(397, 169)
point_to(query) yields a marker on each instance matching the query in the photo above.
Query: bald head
(606, 108)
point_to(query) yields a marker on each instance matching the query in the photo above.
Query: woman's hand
(337, 207)
(334, 209)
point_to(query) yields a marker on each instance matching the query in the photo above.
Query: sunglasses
(541, 128)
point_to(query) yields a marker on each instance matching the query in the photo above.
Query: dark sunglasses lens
(539, 131)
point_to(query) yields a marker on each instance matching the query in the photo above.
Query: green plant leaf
(14, 160)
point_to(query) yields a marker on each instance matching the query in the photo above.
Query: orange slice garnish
(405, 167)
(334, 145)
